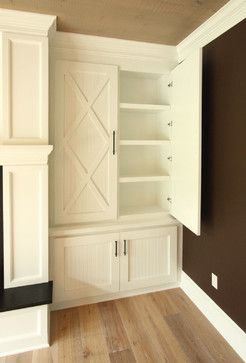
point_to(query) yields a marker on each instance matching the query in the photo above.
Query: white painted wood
(23, 330)
(85, 168)
(114, 226)
(186, 142)
(24, 75)
(150, 258)
(145, 126)
(136, 179)
(143, 142)
(229, 330)
(129, 55)
(144, 199)
(225, 18)
(26, 22)
(144, 107)
(112, 296)
(24, 154)
(85, 266)
(25, 208)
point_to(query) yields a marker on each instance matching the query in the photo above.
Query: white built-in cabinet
(149, 125)
(127, 151)
(102, 264)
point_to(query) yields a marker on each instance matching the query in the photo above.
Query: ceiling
(156, 21)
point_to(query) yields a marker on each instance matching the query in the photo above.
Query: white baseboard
(117, 295)
(23, 330)
(230, 331)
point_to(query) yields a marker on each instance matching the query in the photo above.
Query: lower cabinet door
(148, 257)
(85, 266)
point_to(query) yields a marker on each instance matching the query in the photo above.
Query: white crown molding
(24, 154)
(228, 16)
(95, 45)
(27, 23)
(232, 333)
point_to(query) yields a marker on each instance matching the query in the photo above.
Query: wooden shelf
(141, 210)
(144, 107)
(143, 142)
(145, 178)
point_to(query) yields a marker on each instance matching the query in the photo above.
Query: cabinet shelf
(143, 142)
(144, 178)
(142, 210)
(144, 107)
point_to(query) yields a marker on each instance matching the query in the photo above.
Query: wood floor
(159, 327)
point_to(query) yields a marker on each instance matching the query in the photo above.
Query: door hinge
(169, 200)
(170, 84)
(170, 124)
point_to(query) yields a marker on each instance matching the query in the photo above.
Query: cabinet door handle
(125, 251)
(116, 249)
(113, 142)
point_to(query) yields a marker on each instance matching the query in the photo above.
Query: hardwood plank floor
(161, 327)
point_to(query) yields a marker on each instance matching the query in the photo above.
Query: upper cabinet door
(85, 110)
(186, 141)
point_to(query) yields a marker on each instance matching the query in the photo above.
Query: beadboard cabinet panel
(25, 201)
(85, 266)
(93, 267)
(149, 257)
(85, 160)
(24, 74)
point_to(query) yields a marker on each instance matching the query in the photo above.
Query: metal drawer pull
(116, 249)
(113, 142)
(125, 247)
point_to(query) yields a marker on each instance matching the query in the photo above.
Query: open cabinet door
(186, 141)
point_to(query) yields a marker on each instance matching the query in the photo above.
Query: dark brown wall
(221, 248)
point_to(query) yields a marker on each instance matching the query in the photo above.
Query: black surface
(26, 296)
(1, 228)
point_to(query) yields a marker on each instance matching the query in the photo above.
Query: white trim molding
(230, 331)
(26, 22)
(24, 154)
(225, 18)
(23, 330)
(91, 45)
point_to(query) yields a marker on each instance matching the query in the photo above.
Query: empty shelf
(145, 178)
(144, 107)
(143, 142)
(140, 210)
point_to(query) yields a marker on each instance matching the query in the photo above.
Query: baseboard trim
(112, 296)
(230, 331)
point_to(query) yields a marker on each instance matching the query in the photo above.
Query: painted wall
(221, 248)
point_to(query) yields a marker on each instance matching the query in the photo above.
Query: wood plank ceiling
(156, 21)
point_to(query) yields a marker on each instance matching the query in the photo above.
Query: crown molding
(27, 23)
(103, 46)
(24, 154)
(225, 18)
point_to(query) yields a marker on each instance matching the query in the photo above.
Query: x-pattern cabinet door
(85, 160)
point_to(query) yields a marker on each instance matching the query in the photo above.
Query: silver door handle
(114, 142)
(125, 251)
